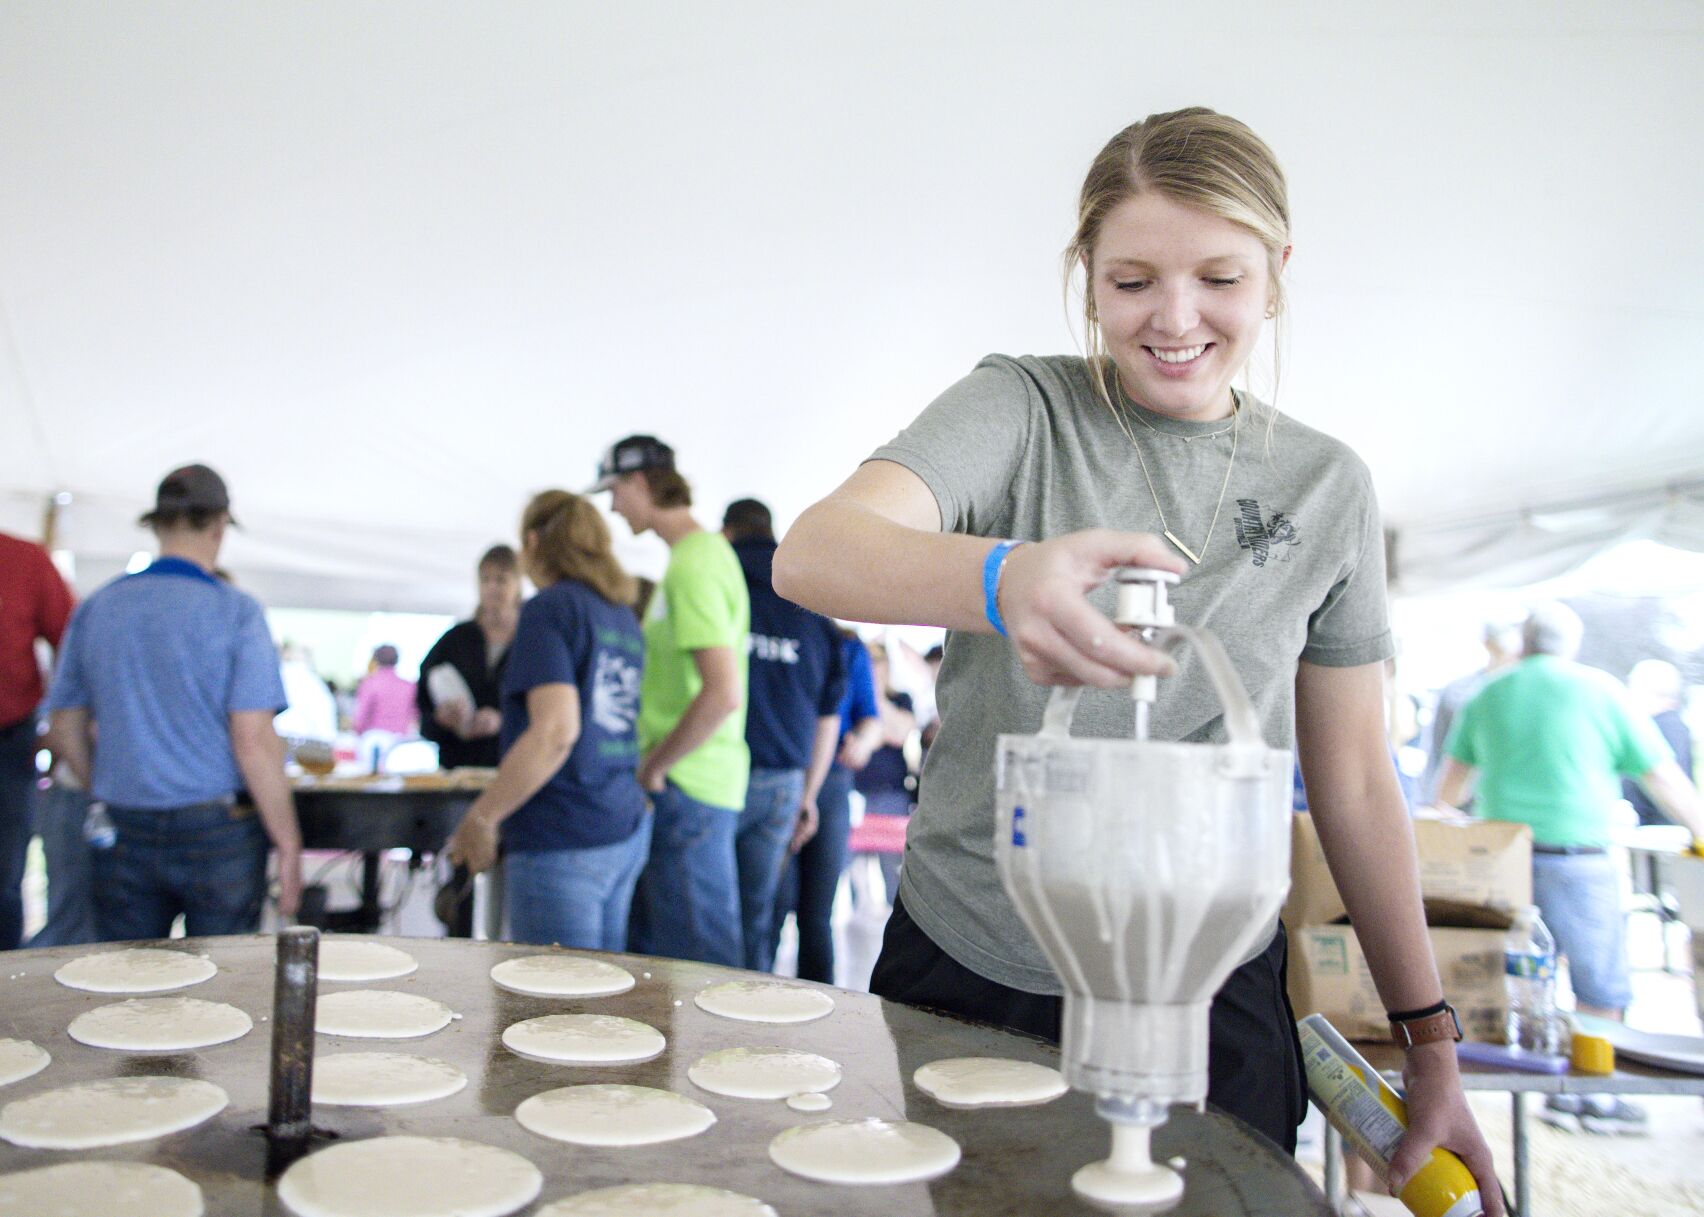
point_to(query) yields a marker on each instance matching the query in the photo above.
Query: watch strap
(1427, 1029)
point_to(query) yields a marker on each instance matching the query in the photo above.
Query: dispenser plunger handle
(1144, 606)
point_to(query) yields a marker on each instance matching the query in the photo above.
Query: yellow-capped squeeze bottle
(1373, 1118)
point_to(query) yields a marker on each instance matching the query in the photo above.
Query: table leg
(1334, 1188)
(371, 913)
(1518, 1114)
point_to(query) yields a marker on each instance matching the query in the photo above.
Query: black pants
(1254, 1058)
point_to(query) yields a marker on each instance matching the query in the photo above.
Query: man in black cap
(693, 757)
(162, 705)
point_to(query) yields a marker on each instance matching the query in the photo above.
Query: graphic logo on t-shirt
(772, 649)
(615, 693)
(1261, 538)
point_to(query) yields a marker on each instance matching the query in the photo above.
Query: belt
(1568, 851)
(228, 803)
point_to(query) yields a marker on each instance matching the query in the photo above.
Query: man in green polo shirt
(693, 756)
(1549, 741)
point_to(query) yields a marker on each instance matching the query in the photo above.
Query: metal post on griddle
(289, 1109)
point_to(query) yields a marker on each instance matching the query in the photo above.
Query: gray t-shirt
(1025, 448)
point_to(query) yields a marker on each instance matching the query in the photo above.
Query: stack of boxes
(1474, 878)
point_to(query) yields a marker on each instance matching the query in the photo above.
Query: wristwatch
(1426, 1026)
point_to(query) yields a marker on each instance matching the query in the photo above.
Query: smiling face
(1181, 295)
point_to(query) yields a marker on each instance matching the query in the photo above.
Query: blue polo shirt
(796, 670)
(859, 702)
(161, 660)
(569, 634)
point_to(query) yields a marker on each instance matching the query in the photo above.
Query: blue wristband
(992, 566)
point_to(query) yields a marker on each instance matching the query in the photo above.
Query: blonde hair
(1198, 158)
(572, 542)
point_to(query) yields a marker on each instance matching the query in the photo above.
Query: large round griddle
(1016, 1161)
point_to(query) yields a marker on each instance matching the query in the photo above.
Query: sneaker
(1563, 1111)
(1607, 1115)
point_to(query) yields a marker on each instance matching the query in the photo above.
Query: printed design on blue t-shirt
(772, 649)
(615, 692)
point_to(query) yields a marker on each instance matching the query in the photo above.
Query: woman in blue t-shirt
(566, 804)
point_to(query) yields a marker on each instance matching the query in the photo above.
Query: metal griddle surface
(1016, 1160)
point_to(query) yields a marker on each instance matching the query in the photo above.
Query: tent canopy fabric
(392, 268)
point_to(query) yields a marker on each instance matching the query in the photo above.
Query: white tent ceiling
(391, 267)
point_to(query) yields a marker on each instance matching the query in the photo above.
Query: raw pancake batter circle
(986, 1081)
(355, 962)
(380, 1014)
(562, 976)
(613, 1115)
(100, 1189)
(136, 970)
(658, 1200)
(160, 1024)
(764, 1073)
(764, 1001)
(810, 1101)
(112, 1111)
(865, 1151)
(410, 1177)
(584, 1039)
(20, 1059)
(383, 1079)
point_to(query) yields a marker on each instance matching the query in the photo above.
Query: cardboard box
(1477, 873)
(1329, 976)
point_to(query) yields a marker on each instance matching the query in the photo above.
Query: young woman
(1001, 511)
(566, 801)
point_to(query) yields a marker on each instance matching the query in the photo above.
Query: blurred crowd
(674, 768)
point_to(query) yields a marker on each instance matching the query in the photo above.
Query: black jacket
(463, 648)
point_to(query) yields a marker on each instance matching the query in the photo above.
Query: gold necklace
(1236, 418)
(1124, 399)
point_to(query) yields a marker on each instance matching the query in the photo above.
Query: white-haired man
(1549, 741)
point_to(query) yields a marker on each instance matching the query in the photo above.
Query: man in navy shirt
(162, 705)
(796, 679)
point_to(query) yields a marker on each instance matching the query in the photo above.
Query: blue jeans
(59, 815)
(1579, 896)
(207, 862)
(17, 791)
(760, 849)
(813, 876)
(687, 905)
(575, 897)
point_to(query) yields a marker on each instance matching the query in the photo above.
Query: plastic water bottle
(98, 829)
(1529, 977)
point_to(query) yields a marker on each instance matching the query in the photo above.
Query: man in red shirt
(34, 603)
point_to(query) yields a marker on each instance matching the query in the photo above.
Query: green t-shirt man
(702, 602)
(1552, 740)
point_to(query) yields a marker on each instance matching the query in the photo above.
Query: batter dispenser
(1147, 872)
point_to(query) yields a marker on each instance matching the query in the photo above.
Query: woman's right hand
(1061, 638)
(453, 715)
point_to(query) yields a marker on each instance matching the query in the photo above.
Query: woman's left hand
(474, 844)
(1438, 1116)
